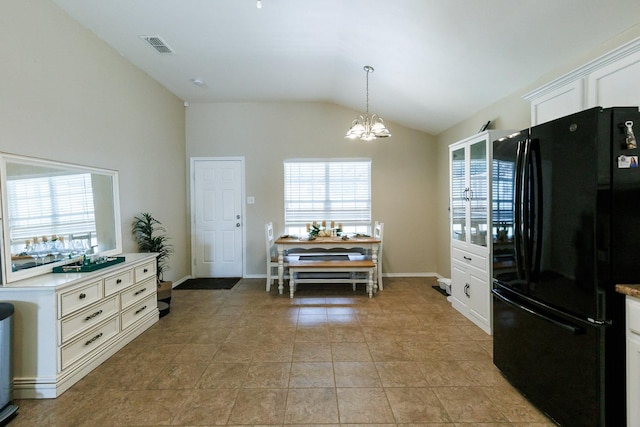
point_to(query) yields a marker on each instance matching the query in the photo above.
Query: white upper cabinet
(558, 103)
(609, 81)
(616, 84)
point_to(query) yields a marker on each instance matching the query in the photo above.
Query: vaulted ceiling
(436, 61)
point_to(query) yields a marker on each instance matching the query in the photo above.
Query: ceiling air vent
(158, 44)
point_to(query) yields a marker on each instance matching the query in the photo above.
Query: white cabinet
(612, 80)
(615, 84)
(559, 102)
(470, 225)
(633, 360)
(470, 286)
(66, 324)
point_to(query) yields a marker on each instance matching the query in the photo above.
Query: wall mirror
(53, 213)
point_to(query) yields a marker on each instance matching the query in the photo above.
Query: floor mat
(209, 283)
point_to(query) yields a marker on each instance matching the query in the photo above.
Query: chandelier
(367, 127)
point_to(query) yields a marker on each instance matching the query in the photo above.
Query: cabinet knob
(118, 281)
(82, 296)
(145, 270)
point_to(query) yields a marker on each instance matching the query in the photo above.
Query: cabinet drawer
(79, 298)
(138, 291)
(138, 311)
(116, 283)
(88, 342)
(633, 315)
(145, 271)
(477, 261)
(72, 326)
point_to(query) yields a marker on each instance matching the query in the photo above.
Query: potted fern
(151, 237)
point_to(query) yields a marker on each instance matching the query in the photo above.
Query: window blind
(458, 191)
(59, 205)
(331, 190)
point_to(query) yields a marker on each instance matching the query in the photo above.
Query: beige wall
(512, 112)
(65, 95)
(404, 170)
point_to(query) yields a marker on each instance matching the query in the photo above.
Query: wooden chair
(272, 257)
(378, 231)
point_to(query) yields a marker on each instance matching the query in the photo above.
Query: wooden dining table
(286, 243)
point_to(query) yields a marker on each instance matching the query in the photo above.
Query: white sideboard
(612, 80)
(66, 324)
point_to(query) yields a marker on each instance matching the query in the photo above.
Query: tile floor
(330, 357)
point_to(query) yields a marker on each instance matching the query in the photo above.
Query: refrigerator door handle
(517, 217)
(575, 330)
(526, 206)
(537, 239)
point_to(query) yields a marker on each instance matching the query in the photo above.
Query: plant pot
(164, 291)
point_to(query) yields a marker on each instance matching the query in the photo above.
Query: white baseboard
(181, 280)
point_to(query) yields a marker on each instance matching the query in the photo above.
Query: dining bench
(360, 271)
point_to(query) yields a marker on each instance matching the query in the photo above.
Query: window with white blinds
(59, 205)
(327, 190)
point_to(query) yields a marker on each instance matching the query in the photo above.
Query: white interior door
(216, 217)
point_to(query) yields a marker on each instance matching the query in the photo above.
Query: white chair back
(272, 257)
(378, 231)
(270, 240)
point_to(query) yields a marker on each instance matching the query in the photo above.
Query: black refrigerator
(566, 230)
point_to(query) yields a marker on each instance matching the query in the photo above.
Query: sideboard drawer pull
(93, 339)
(118, 281)
(91, 316)
(82, 296)
(145, 270)
(141, 309)
(466, 257)
(140, 291)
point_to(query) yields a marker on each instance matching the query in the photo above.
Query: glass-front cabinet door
(469, 192)
(478, 193)
(459, 190)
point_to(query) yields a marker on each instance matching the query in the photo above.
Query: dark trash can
(7, 409)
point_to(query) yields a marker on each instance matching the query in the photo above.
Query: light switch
(251, 200)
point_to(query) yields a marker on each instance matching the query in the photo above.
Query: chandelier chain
(367, 90)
